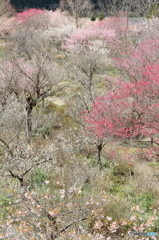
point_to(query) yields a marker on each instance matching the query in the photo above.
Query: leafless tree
(35, 79)
(129, 7)
(31, 68)
(5, 19)
(4, 5)
(77, 9)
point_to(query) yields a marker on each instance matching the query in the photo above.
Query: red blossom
(129, 111)
(25, 15)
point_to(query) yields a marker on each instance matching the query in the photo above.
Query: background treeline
(20, 5)
(108, 7)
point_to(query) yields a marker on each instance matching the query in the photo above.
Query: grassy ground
(123, 196)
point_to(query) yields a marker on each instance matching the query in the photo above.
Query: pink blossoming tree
(129, 112)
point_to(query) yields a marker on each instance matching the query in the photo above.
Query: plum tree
(36, 79)
(128, 112)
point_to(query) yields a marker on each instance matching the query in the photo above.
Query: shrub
(101, 16)
(37, 179)
(154, 10)
(93, 17)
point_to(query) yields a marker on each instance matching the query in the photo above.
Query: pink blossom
(25, 15)
(62, 193)
(109, 218)
(113, 227)
(98, 225)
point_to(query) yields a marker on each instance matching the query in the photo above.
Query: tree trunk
(29, 108)
(77, 21)
(99, 149)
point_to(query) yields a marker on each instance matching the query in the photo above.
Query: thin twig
(69, 225)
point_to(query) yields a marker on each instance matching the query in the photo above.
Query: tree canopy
(20, 5)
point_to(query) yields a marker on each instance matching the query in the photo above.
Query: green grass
(145, 201)
(37, 179)
(2, 51)
(112, 71)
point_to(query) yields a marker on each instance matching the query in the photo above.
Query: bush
(154, 11)
(101, 16)
(93, 17)
(37, 179)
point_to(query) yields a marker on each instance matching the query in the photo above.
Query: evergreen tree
(20, 5)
